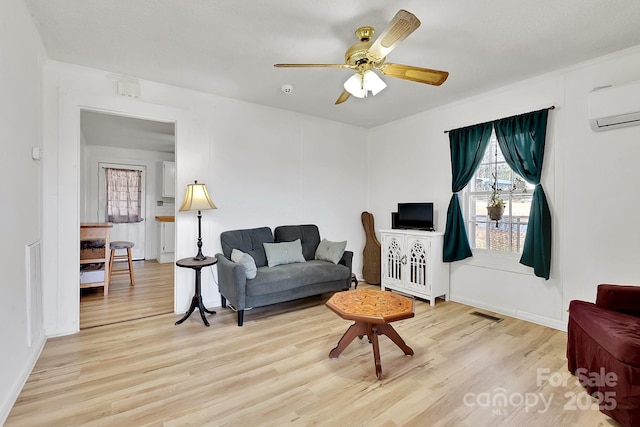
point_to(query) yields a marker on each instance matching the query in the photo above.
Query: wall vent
(33, 269)
(129, 88)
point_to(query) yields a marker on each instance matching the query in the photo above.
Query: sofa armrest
(232, 282)
(621, 298)
(347, 260)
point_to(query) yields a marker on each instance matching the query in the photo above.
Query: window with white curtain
(123, 195)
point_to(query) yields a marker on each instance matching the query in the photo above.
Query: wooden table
(372, 311)
(96, 231)
(196, 301)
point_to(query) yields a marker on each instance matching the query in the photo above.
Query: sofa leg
(223, 301)
(240, 317)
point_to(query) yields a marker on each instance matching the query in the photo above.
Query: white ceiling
(126, 132)
(229, 47)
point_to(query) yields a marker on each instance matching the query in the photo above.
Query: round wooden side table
(196, 301)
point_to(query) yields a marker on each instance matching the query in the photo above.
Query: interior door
(131, 232)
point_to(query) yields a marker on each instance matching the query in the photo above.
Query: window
(507, 234)
(123, 195)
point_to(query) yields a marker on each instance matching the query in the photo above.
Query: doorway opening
(141, 146)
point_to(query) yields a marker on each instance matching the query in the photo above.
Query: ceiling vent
(613, 107)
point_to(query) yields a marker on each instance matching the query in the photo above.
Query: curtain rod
(553, 107)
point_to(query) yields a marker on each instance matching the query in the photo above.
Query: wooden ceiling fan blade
(403, 24)
(312, 65)
(415, 74)
(343, 97)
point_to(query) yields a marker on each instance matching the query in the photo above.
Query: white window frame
(489, 258)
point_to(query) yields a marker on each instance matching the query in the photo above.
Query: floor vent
(486, 316)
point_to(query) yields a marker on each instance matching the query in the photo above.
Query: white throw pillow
(246, 261)
(330, 251)
(283, 253)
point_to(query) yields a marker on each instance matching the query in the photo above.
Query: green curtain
(467, 149)
(521, 140)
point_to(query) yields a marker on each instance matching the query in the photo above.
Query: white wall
(22, 55)
(93, 155)
(409, 161)
(262, 167)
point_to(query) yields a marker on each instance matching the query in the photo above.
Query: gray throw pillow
(246, 261)
(283, 253)
(330, 251)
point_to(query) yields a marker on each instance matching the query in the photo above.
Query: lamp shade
(360, 84)
(197, 198)
(373, 82)
(355, 86)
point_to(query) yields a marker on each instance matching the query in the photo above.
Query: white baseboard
(518, 314)
(166, 257)
(542, 320)
(7, 405)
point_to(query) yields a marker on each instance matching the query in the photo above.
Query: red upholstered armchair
(603, 350)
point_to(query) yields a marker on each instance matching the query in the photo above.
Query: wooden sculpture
(371, 253)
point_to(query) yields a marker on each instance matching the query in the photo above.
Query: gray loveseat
(279, 283)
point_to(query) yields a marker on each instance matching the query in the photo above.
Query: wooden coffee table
(372, 311)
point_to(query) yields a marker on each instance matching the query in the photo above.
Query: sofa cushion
(330, 251)
(249, 241)
(616, 332)
(289, 276)
(283, 253)
(308, 234)
(246, 262)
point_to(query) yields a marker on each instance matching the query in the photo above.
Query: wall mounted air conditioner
(613, 107)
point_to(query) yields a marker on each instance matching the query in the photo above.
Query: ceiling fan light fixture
(360, 84)
(373, 82)
(355, 86)
(367, 56)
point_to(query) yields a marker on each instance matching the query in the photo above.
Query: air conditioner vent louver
(620, 121)
(614, 107)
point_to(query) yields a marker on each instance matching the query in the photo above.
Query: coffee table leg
(357, 329)
(388, 330)
(376, 351)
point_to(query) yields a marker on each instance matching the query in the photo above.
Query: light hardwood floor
(151, 295)
(275, 371)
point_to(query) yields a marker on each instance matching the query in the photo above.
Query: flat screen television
(415, 216)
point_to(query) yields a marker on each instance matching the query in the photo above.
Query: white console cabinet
(412, 263)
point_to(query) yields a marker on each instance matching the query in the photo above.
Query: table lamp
(197, 199)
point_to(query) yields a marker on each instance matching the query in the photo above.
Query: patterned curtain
(123, 195)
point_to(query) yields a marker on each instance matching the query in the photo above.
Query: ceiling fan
(366, 56)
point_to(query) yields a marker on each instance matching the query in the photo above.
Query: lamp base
(199, 256)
